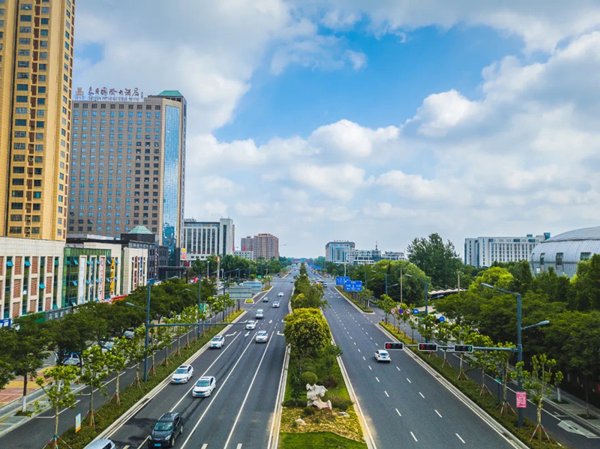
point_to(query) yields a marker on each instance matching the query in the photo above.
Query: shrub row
(354, 301)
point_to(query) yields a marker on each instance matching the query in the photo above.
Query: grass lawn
(317, 440)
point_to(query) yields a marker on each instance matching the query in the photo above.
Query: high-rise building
(246, 244)
(202, 239)
(484, 251)
(36, 60)
(128, 164)
(337, 250)
(265, 246)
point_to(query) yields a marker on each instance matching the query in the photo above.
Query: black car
(166, 430)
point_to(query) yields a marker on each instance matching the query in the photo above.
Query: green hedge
(487, 402)
(110, 411)
(350, 298)
(317, 440)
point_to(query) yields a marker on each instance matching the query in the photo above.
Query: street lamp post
(519, 341)
(147, 340)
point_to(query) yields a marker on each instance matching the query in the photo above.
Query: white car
(217, 342)
(276, 304)
(251, 325)
(280, 294)
(382, 356)
(260, 314)
(182, 375)
(204, 387)
(262, 337)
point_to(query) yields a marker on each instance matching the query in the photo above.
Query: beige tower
(36, 60)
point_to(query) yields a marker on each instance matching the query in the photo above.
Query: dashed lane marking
(460, 438)
(408, 380)
(399, 414)
(422, 395)
(386, 393)
(438, 413)
(414, 437)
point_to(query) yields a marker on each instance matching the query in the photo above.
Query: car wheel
(172, 442)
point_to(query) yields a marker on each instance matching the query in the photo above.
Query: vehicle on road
(166, 430)
(217, 342)
(101, 444)
(382, 356)
(266, 299)
(183, 374)
(68, 358)
(260, 314)
(204, 387)
(128, 334)
(276, 304)
(251, 325)
(280, 294)
(262, 337)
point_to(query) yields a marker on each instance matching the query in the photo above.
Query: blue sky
(373, 121)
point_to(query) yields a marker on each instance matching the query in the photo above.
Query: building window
(585, 256)
(559, 259)
(542, 255)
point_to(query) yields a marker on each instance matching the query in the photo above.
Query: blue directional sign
(442, 319)
(5, 323)
(353, 286)
(341, 280)
(317, 267)
(416, 311)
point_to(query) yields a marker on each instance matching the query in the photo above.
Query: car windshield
(262, 333)
(383, 353)
(217, 339)
(181, 371)
(162, 426)
(203, 383)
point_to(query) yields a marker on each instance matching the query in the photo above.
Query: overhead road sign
(353, 286)
(341, 280)
(241, 292)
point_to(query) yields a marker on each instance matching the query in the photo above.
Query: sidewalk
(574, 408)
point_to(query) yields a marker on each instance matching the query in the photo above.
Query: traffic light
(393, 345)
(428, 347)
(467, 349)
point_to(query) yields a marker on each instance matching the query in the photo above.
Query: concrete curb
(501, 430)
(110, 430)
(351, 303)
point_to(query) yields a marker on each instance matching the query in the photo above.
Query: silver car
(101, 444)
(262, 337)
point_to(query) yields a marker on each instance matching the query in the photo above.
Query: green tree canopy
(436, 258)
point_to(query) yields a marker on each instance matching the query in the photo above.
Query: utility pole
(401, 300)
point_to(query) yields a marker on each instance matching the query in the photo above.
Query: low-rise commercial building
(248, 255)
(372, 256)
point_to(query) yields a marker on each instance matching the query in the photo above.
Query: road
(239, 412)
(403, 404)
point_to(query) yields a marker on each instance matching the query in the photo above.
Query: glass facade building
(171, 213)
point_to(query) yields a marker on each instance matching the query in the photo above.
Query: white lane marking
(141, 445)
(359, 350)
(204, 373)
(422, 395)
(460, 438)
(217, 394)
(377, 378)
(414, 437)
(386, 393)
(351, 338)
(204, 446)
(354, 343)
(247, 394)
(397, 411)
(376, 344)
(230, 335)
(239, 446)
(270, 321)
(370, 368)
(246, 334)
(398, 368)
(408, 380)
(371, 338)
(364, 358)
(438, 413)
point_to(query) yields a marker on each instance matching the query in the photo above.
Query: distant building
(372, 256)
(565, 251)
(484, 251)
(202, 239)
(262, 245)
(248, 255)
(246, 244)
(337, 251)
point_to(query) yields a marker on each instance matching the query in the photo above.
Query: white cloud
(215, 208)
(445, 110)
(251, 209)
(335, 181)
(357, 59)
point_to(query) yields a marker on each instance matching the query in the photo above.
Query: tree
(8, 341)
(426, 326)
(483, 360)
(306, 331)
(436, 258)
(28, 351)
(502, 360)
(460, 334)
(538, 384)
(136, 352)
(96, 371)
(116, 361)
(386, 304)
(441, 333)
(58, 392)
(587, 285)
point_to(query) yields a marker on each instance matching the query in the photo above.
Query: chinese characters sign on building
(108, 94)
